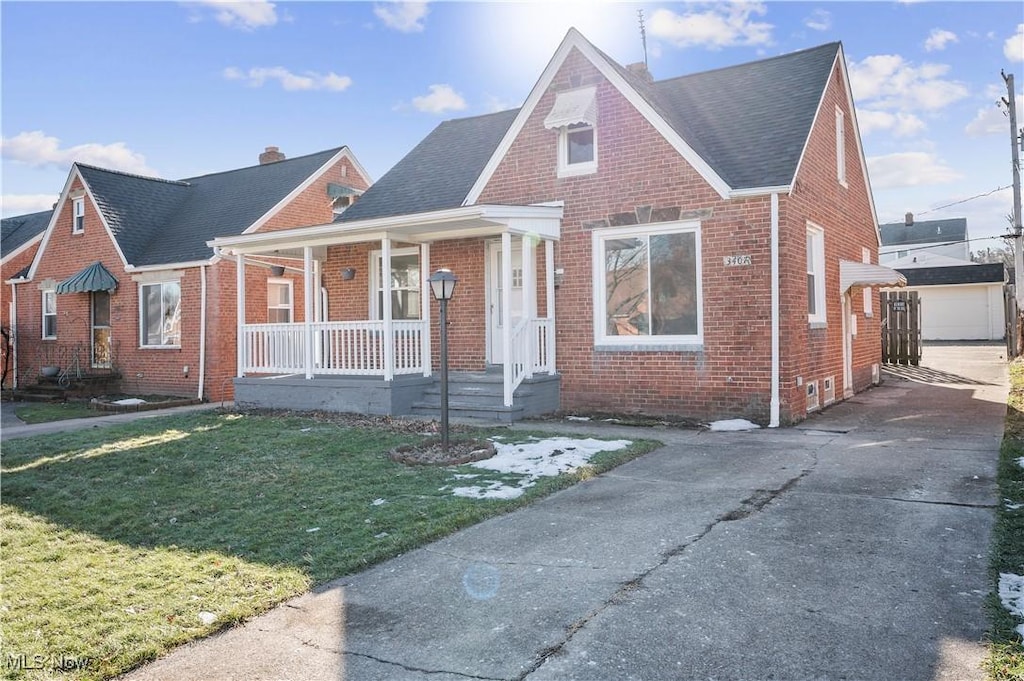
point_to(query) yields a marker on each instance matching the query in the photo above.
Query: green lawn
(117, 544)
(1006, 659)
(43, 412)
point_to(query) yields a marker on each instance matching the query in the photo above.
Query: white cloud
(39, 150)
(20, 204)
(441, 98)
(714, 25)
(406, 17)
(310, 80)
(909, 169)
(938, 39)
(901, 124)
(245, 15)
(888, 81)
(819, 20)
(1013, 48)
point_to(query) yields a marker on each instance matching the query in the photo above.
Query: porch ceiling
(459, 223)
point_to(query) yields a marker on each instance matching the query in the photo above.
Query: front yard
(120, 543)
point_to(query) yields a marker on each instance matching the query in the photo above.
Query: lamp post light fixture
(442, 285)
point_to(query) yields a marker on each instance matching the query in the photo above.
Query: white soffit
(573, 107)
(865, 274)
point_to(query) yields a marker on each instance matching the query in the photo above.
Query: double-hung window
(815, 275)
(574, 116)
(160, 314)
(405, 284)
(279, 301)
(78, 215)
(647, 285)
(49, 313)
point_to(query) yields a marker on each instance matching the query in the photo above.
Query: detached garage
(960, 302)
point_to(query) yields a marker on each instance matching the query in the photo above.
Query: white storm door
(496, 298)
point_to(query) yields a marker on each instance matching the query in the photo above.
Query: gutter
(774, 404)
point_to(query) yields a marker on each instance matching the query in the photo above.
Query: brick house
(19, 241)
(123, 283)
(703, 246)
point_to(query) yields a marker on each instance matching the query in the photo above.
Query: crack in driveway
(755, 503)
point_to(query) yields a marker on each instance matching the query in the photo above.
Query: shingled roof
(17, 231)
(923, 232)
(158, 222)
(749, 122)
(986, 273)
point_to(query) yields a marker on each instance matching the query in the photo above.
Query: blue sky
(178, 89)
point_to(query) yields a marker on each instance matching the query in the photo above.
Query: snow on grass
(1011, 595)
(1020, 462)
(533, 460)
(730, 425)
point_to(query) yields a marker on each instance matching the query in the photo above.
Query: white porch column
(506, 314)
(389, 333)
(307, 299)
(425, 297)
(530, 300)
(240, 313)
(549, 272)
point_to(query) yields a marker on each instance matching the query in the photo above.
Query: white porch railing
(530, 351)
(349, 348)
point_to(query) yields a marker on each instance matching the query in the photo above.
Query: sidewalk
(11, 427)
(853, 546)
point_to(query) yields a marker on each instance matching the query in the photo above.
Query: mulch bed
(431, 453)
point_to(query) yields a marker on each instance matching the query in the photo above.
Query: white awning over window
(572, 107)
(865, 274)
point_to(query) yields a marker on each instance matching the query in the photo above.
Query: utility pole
(1018, 234)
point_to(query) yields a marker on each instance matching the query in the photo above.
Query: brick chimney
(909, 219)
(640, 70)
(271, 155)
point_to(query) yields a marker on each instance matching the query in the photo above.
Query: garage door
(961, 312)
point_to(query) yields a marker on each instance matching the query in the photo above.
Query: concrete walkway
(852, 547)
(11, 427)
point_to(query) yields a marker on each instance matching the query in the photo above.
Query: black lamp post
(442, 285)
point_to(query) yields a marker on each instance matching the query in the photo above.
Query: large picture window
(160, 321)
(647, 285)
(49, 314)
(405, 285)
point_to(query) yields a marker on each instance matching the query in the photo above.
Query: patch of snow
(380, 535)
(129, 401)
(733, 425)
(207, 618)
(1010, 506)
(533, 460)
(313, 529)
(1020, 462)
(378, 502)
(577, 418)
(1011, 593)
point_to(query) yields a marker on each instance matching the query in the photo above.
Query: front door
(496, 297)
(101, 356)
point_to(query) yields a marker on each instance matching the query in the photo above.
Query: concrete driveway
(852, 547)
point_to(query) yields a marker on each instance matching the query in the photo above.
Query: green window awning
(95, 277)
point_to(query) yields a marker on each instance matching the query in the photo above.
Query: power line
(971, 198)
(943, 243)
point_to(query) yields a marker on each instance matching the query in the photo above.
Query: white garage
(963, 302)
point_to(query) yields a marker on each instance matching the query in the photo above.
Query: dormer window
(78, 215)
(574, 116)
(341, 197)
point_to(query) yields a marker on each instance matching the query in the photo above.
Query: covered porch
(366, 341)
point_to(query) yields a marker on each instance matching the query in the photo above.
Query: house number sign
(736, 260)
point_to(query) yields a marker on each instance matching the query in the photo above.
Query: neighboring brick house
(702, 246)
(123, 281)
(19, 240)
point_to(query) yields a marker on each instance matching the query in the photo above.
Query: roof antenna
(643, 34)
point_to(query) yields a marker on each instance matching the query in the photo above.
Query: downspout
(14, 333)
(774, 404)
(202, 331)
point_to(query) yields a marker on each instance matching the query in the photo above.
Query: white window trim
(291, 299)
(78, 215)
(818, 263)
(42, 330)
(841, 146)
(868, 291)
(668, 343)
(375, 268)
(142, 324)
(566, 170)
